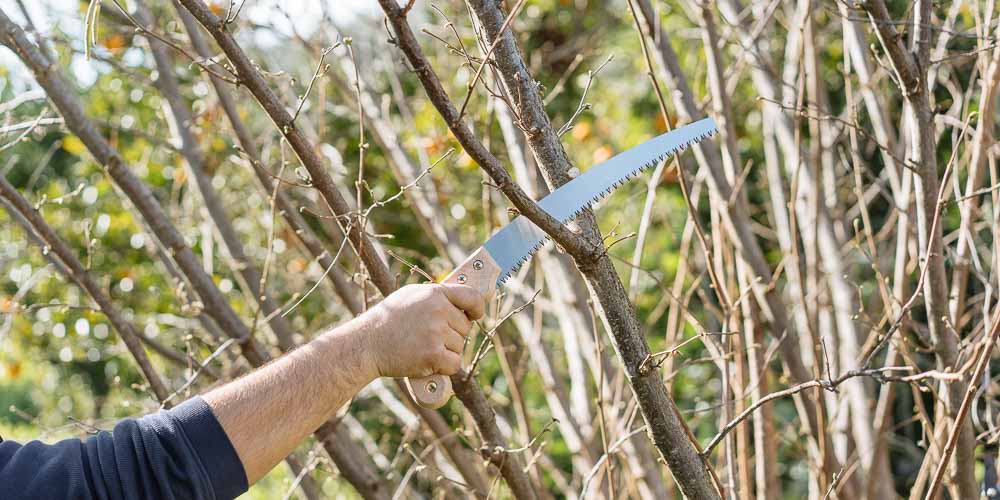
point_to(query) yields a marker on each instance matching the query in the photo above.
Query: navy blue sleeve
(182, 453)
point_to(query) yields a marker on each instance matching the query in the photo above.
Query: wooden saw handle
(479, 271)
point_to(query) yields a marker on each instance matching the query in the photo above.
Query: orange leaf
(180, 175)
(670, 175)
(114, 42)
(602, 153)
(14, 370)
(434, 146)
(296, 265)
(660, 125)
(582, 131)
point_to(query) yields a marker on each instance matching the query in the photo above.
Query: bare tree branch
(666, 428)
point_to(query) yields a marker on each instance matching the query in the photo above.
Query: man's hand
(420, 329)
(417, 331)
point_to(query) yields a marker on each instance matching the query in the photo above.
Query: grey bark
(981, 142)
(825, 238)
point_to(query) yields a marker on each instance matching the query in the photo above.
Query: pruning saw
(510, 247)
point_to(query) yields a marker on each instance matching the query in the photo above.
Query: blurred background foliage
(62, 369)
(62, 364)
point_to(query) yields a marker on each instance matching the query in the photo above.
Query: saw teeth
(603, 194)
(630, 175)
(523, 260)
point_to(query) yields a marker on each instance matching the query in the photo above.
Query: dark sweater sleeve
(182, 453)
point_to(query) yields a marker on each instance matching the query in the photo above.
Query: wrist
(365, 335)
(351, 348)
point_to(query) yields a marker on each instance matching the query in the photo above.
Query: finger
(447, 363)
(454, 341)
(466, 298)
(459, 321)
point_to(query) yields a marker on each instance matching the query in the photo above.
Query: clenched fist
(420, 329)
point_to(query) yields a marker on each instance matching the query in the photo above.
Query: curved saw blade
(514, 244)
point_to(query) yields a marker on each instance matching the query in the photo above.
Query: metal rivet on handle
(477, 264)
(462, 278)
(432, 386)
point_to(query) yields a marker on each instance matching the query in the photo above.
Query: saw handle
(479, 271)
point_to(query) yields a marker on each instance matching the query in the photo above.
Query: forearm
(267, 413)
(197, 449)
(415, 332)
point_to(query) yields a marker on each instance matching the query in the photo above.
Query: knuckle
(441, 325)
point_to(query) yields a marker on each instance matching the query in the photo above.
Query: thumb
(466, 298)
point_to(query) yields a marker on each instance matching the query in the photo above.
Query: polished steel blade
(513, 244)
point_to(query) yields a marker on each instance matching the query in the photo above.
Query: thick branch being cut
(666, 428)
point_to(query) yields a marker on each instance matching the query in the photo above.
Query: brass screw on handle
(432, 386)
(462, 278)
(477, 265)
